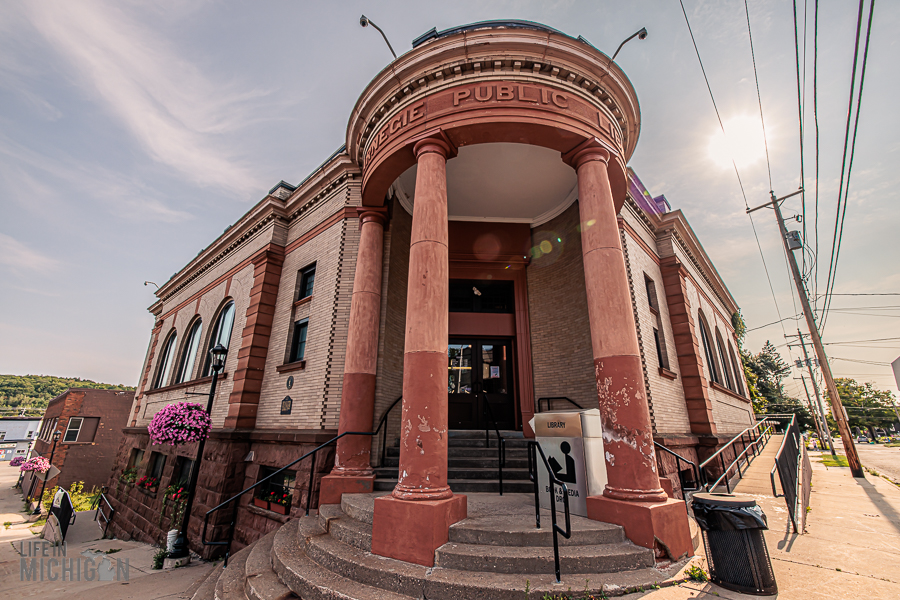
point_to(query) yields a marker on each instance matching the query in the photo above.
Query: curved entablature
(526, 84)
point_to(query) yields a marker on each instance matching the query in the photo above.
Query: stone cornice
(674, 224)
(281, 205)
(487, 54)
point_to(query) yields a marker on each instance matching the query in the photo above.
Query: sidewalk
(851, 548)
(82, 543)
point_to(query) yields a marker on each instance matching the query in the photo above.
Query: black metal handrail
(383, 422)
(501, 441)
(753, 444)
(98, 505)
(788, 466)
(678, 460)
(533, 449)
(569, 400)
(233, 499)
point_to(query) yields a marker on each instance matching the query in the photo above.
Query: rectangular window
(2, 435)
(298, 343)
(482, 296)
(20, 451)
(157, 464)
(307, 280)
(661, 354)
(72, 429)
(651, 294)
(30, 433)
(659, 338)
(136, 458)
(279, 489)
(182, 474)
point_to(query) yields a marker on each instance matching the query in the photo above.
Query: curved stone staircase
(496, 554)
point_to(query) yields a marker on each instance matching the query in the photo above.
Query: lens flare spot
(546, 247)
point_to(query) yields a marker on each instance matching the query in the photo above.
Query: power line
(890, 339)
(795, 317)
(864, 362)
(816, 121)
(878, 294)
(758, 95)
(733, 162)
(799, 115)
(842, 212)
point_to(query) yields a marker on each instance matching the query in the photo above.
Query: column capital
(372, 214)
(590, 149)
(435, 141)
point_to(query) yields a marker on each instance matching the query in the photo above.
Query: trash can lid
(736, 500)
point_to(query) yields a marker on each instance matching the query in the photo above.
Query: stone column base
(412, 530)
(662, 526)
(666, 484)
(333, 486)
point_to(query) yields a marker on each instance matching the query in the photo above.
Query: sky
(132, 134)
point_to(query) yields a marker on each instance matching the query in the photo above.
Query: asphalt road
(875, 456)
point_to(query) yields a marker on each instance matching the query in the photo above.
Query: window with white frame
(73, 428)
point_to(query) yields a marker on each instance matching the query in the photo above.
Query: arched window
(726, 376)
(708, 349)
(167, 357)
(189, 355)
(221, 334)
(737, 366)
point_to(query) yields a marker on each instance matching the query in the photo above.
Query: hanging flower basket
(37, 463)
(17, 461)
(180, 423)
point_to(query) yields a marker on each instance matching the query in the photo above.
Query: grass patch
(892, 445)
(835, 461)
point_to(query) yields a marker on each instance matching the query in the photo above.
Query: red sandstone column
(633, 496)
(411, 523)
(352, 471)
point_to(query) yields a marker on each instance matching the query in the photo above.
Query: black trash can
(733, 526)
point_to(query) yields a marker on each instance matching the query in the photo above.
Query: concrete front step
(485, 461)
(462, 486)
(310, 580)
(475, 434)
(327, 557)
(207, 589)
(601, 558)
(230, 584)
(261, 582)
(503, 530)
(475, 471)
(393, 452)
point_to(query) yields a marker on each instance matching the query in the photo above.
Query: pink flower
(181, 423)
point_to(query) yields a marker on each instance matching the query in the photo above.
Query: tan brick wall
(561, 352)
(317, 388)
(668, 402)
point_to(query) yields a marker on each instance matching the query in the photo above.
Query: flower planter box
(261, 503)
(281, 509)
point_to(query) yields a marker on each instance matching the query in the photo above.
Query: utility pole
(837, 409)
(820, 410)
(812, 378)
(812, 411)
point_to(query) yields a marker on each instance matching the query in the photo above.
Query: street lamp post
(180, 548)
(37, 511)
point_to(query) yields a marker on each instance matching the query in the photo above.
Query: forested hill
(35, 391)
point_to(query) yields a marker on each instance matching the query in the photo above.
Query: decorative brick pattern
(637, 322)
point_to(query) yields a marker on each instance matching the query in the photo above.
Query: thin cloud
(20, 258)
(28, 172)
(167, 103)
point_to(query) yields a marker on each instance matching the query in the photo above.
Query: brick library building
(476, 253)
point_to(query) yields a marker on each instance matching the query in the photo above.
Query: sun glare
(745, 143)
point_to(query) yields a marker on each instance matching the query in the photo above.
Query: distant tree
(867, 407)
(765, 372)
(34, 392)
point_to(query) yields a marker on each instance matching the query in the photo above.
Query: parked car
(862, 440)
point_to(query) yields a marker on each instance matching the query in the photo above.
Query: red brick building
(478, 231)
(90, 423)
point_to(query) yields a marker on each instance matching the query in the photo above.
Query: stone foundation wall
(147, 517)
